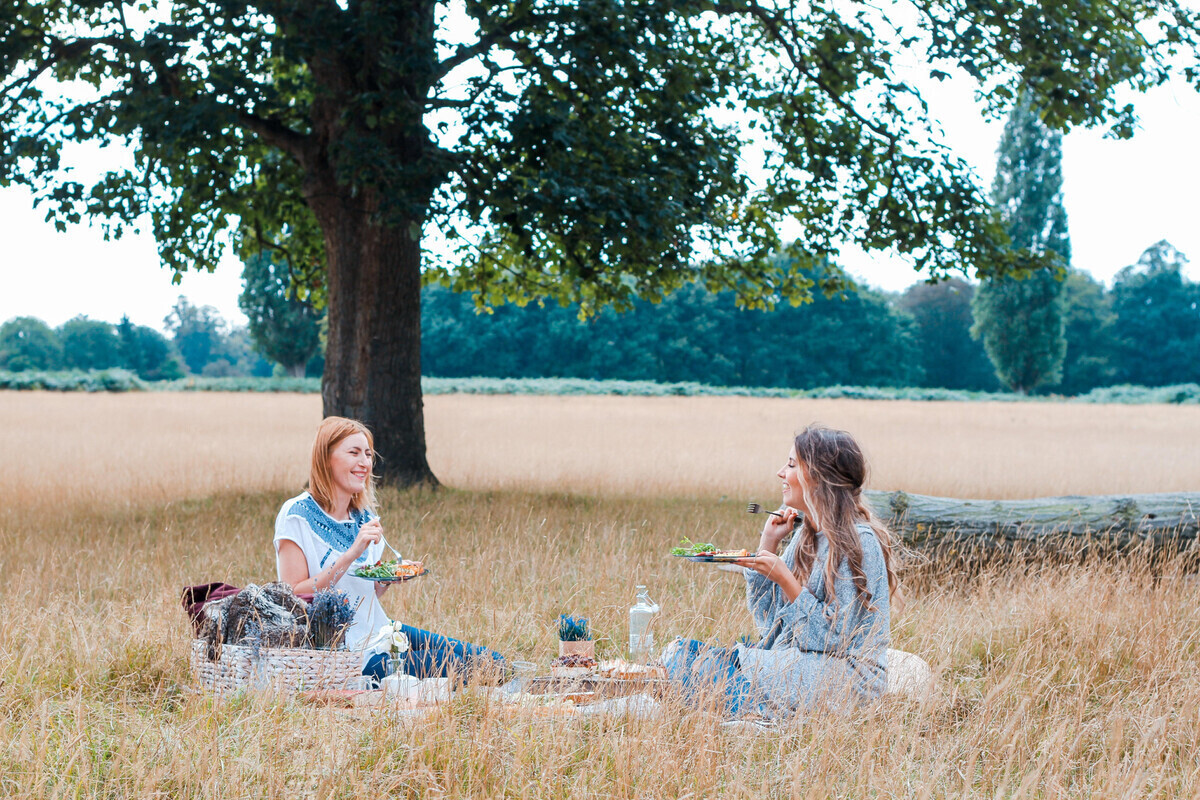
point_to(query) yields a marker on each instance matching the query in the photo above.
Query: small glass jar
(392, 664)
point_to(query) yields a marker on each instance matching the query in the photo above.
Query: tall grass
(1054, 680)
(1062, 682)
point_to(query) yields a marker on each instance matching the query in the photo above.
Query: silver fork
(389, 547)
(755, 508)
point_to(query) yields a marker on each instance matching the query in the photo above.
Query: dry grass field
(154, 448)
(1069, 680)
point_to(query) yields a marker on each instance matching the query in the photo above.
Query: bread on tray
(620, 669)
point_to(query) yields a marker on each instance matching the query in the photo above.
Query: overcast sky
(1121, 197)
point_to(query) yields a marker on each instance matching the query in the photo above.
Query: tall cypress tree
(1020, 320)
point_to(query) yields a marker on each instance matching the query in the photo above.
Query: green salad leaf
(689, 548)
(384, 569)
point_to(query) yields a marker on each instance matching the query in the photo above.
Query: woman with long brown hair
(325, 533)
(822, 607)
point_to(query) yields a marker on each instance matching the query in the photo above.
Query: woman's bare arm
(293, 569)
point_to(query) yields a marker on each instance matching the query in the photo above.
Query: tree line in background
(201, 342)
(282, 337)
(1144, 330)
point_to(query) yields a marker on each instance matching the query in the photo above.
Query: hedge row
(120, 380)
(103, 380)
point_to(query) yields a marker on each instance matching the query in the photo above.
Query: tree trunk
(295, 370)
(1161, 522)
(369, 174)
(373, 353)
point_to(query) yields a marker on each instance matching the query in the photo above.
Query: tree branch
(276, 134)
(464, 54)
(496, 36)
(493, 71)
(772, 26)
(58, 50)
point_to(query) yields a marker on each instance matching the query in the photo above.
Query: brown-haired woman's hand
(776, 530)
(774, 569)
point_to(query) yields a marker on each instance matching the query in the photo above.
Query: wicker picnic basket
(286, 669)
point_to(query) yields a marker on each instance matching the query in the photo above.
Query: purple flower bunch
(329, 615)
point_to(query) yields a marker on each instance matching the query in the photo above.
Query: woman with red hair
(324, 534)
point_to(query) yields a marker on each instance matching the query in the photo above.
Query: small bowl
(522, 671)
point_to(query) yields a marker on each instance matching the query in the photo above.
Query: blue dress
(812, 651)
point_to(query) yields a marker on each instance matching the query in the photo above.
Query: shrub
(242, 384)
(122, 380)
(102, 380)
(1182, 393)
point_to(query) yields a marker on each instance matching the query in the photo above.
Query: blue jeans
(431, 655)
(711, 672)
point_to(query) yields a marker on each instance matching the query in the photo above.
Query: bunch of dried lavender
(329, 615)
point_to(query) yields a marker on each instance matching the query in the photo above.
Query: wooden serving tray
(341, 698)
(601, 687)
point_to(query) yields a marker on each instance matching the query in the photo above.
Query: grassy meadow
(1067, 680)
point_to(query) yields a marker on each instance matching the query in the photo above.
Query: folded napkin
(410, 689)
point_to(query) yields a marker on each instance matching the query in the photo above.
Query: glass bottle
(641, 638)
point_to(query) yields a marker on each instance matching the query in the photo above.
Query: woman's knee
(678, 657)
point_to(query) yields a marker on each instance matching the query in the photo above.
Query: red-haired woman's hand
(369, 534)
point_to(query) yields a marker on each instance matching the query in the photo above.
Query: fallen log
(1160, 522)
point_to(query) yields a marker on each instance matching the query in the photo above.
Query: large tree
(89, 344)
(1158, 319)
(198, 332)
(1019, 317)
(28, 343)
(147, 352)
(950, 357)
(1089, 327)
(582, 149)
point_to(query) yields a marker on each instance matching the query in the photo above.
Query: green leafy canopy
(589, 151)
